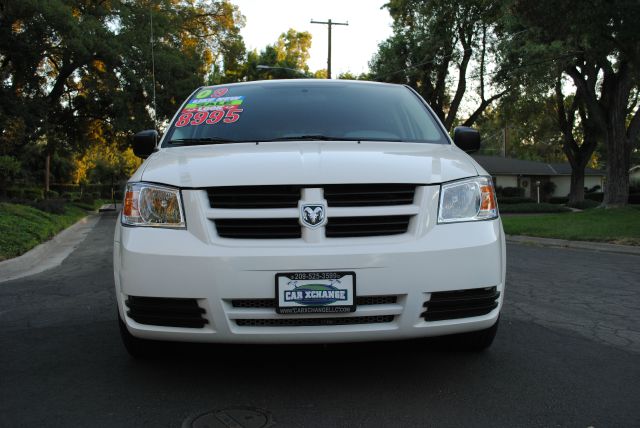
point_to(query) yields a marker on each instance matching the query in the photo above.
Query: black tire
(474, 341)
(136, 347)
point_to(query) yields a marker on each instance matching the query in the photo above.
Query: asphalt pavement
(567, 354)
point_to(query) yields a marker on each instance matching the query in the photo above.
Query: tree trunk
(576, 192)
(618, 163)
(47, 173)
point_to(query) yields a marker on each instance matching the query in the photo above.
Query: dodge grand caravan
(308, 211)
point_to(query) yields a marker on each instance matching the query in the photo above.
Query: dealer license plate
(315, 292)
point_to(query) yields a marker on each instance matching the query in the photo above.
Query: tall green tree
(441, 48)
(66, 63)
(595, 44)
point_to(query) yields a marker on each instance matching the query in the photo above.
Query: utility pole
(329, 23)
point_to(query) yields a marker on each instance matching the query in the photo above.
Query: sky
(352, 46)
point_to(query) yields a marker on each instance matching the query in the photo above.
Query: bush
(558, 199)
(586, 204)
(594, 189)
(514, 200)
(15, 193)
(598, 196)
(511, 192)
(95, 195)
(33, 194)
(53, 206)
(52, 194)
(547, 187)
(533, 208)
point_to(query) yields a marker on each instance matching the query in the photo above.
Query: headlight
(467, 200)
(152, 205)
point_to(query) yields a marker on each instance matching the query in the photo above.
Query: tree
(596, 46)
(287, 58)
(66, 63)
(434, 43)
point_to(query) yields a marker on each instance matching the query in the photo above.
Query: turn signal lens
(467, 200)
(152, 205)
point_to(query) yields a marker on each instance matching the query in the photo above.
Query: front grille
(271, 303)
(259, 228)
(368, 195)
(256, 199)
(254, 196)
(345, 227)
(307, 322)
(446, 305)
(166, 311)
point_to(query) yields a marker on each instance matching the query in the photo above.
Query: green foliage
(23, 227)
(586, 204)
(9, 169)
(435, 47)
(69, 66)
(514, 200)
(533, 207)
(621, 225)
(33, 194)
(287, 58)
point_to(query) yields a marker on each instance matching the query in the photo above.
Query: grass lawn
(23, 227)
(618, 225)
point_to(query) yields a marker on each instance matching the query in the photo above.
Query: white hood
(307, 162)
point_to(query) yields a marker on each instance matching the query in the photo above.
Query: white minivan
(308, 211)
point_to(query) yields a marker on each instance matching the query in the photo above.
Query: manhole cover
(231, 417)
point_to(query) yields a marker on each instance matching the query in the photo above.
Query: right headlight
(470, 199)
(152, 205)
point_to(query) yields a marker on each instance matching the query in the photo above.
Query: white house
(508, 172)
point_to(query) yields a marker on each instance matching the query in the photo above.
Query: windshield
(315, 110)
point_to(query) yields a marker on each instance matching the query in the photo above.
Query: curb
(582, 245)
(50, 253)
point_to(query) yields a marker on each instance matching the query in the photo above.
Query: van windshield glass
(303, 111)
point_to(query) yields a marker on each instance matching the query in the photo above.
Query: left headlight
(152, 205)
(471, 199)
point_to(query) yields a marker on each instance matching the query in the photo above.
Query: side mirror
(468, 139)
(144, 143)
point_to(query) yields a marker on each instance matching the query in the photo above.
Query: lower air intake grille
(345, 227)
(306, 322)
(271, 303)
(166, 312)
(262, 228)
(447, 305)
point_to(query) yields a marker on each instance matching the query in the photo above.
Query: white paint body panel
(196, 263)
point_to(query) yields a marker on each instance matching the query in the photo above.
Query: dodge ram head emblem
(312, 215)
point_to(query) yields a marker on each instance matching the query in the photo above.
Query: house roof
(496, 165)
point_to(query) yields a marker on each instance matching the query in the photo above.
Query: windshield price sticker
(229, 115)
(315, 292)
(211, 106)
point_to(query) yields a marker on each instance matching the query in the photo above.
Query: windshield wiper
(202, 141)
(311, 137)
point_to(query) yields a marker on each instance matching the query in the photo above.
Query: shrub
(52, 194)
(15, 193)
(598, 196)
(558, 200)
(95, 195)
(594, 189)
(33, 194)
(547, 187)
(53, 206)
(514, 200)
(511, 192)
(533, 208)
(586, 204)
